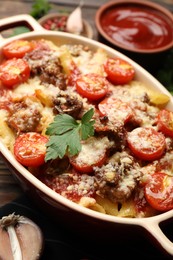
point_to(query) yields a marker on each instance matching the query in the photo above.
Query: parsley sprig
(66, 134)
(40, 8)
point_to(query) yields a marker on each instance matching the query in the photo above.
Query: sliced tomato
(159, 190)
(119, 71)
(93, 154)
(86, 167)
(146, 143)
(165, 122)
(92, 86)
(115, 109)
(17, 49)
(30, 149)
(14, 71)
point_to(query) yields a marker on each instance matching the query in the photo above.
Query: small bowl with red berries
(58, 22)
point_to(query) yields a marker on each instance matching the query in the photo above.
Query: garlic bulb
(74, 21)
(20, 238)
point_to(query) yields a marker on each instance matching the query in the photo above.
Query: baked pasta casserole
(82, 123)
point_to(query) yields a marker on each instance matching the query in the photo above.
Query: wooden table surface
(9, 189)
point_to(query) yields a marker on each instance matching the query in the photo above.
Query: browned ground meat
(23, 118)
(66, 104)
(115, 132)
(47, 67)
(38, 57)
(51, 73)
(118, 179)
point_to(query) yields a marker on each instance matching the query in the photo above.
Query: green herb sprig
(40, 8)
(66, 134)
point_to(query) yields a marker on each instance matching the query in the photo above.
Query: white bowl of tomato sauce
(142, 30)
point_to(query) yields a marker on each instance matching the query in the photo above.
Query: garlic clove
(5, 246)
(74, 22)
(28, 233)
(20, 238)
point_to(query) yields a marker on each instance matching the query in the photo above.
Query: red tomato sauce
(137, 27)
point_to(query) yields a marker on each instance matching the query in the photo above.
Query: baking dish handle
(19, 20)
(154, 229)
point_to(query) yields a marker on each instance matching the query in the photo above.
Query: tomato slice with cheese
(14, 71)
(115, 109)
(92, 154)
(159, 190)
(165, 122)
(119, 71)
(30, 149)
(92, 86)
(146, 143)
(17, 49)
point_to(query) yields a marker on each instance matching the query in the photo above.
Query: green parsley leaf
(74, 144)
(56, 147)
(87, 116)
(66, 134)
(62, 123)
(87, 128)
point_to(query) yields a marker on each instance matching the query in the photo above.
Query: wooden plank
(9, 188)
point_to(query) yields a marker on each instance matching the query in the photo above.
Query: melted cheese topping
(92, 150)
